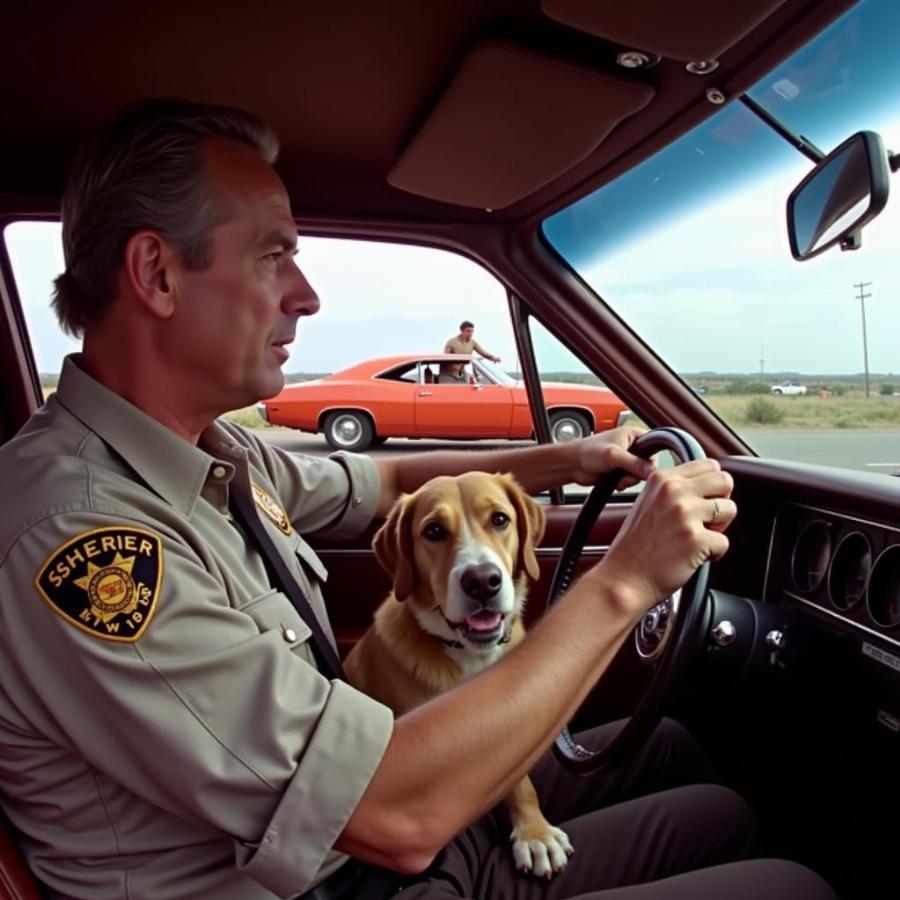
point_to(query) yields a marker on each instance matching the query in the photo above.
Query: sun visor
(509, 122)
(683, 30)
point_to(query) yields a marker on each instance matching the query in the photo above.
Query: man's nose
(300, 299)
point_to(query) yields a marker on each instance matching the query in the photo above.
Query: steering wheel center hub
(654, 629)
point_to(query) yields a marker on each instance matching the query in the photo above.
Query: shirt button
(218, 471)
(357, 501)
(288, 634)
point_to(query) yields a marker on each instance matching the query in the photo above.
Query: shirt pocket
(273, 611)
(310, 564)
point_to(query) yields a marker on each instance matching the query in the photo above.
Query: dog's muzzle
(484, 624)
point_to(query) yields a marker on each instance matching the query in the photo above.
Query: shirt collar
(171, 466)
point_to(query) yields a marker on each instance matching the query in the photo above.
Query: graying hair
(145, 171)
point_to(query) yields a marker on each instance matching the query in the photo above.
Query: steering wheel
(668, 637)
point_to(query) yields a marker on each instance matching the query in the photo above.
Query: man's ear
(148, 272)
(394, 547)
(530, 522)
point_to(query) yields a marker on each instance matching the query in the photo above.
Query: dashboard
(815, 556)
(838, 565)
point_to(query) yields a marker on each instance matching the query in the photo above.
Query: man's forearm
(536, 468)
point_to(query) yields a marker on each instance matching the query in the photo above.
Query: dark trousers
(660, 827)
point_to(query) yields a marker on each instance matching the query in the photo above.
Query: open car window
(387, 313)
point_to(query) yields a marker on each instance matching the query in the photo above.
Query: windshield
(496, 373)
(690, 249)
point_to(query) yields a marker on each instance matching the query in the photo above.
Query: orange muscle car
(407, 396)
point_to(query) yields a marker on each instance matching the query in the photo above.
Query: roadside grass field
(808, 411)
(249, 418)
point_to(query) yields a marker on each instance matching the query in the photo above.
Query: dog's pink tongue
(483, 621)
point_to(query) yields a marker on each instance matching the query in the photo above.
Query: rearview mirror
(844, 191)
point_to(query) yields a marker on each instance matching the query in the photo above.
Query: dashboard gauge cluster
(844, 566)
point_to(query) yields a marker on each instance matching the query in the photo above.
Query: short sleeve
(211, 712)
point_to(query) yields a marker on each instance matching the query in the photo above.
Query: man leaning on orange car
(464, 343)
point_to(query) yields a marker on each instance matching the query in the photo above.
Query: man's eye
(499, 520)
(433, 532)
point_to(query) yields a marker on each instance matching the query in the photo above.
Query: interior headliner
(349, 85)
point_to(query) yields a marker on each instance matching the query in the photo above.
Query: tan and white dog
(460, 550)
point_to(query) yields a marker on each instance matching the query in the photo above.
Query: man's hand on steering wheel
(657, 564)
(675, 526)
(608, 450)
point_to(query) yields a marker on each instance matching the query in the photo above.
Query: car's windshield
(496, 373)
(690, 249)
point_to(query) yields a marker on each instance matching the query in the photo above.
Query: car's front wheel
(777, 391)
(567, 425)
(348, 429)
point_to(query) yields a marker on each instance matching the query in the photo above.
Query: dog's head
(460, 550)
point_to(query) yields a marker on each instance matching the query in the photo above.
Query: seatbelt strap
(244, 510)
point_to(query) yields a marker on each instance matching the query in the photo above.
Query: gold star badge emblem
(271, 508)
(110, 588)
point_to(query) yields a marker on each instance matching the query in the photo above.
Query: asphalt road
(316, 445)
(864, 449)
(867, 450)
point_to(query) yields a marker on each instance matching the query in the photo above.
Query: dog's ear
(530, 521)
(394, 548)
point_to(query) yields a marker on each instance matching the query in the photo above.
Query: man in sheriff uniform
(166, 730)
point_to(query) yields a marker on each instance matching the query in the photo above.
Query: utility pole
(862, 297)
(762, 361)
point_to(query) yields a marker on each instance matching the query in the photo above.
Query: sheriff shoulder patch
(272, 509)
(105, 581)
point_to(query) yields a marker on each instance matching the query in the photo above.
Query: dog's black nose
(482, 582)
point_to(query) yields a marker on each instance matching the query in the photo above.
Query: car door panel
(464, 410)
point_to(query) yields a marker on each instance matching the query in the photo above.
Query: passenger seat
(16, 880)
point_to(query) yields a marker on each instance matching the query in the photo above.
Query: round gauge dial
(848, 576)
(884, 589)
(810, 557)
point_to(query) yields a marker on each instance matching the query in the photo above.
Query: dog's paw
(543, 852)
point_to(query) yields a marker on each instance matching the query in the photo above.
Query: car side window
(408, 372)
(35, 252)
(387, 312)
(578, 402)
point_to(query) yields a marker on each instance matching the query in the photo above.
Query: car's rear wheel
(568, 425)
(776, 391)
(348, 429)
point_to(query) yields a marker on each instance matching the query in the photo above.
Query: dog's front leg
(537, 845)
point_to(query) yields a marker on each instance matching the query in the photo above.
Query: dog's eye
(499, 520)
(433, 531)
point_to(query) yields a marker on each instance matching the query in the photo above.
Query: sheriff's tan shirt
(163, 730)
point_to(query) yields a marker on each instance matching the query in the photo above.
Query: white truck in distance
(788, 387)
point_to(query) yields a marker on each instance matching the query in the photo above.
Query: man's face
(467, 333)
(234, 320)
